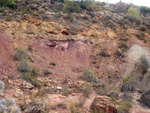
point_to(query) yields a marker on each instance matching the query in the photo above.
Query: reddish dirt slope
(6, 52)
(70, 57)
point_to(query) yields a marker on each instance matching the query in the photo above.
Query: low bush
(143, 28)
(31, 76)
(124, 107)
(88, 76)
(108, 90)
(123, 46)
(8, 17)
(71, 7)
(61, 105)
(37, 105)
(145, 10)
(122, 22)
(141, 36)
(21, 54)
(86, 89)
(76, 107)
(8, 3)
(24, 66)
(66, 91)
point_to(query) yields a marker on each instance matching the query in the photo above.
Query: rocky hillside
(74, 57)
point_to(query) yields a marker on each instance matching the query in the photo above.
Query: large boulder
(103, 103)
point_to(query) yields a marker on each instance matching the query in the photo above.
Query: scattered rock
(103, 103)
(47, 83)
(35, 93)
(61, 96)
(18, 93)
(59, 88)
(119, 52)
(27, 85)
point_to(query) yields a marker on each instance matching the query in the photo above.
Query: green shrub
(37, 105)
(66, 91)
(124, 107)
(143, 28)
(88, 5)
(71, 7)
(41, 12)
(86, 18)
(76, 107)
(141, 36)
(108, 90)
(123, 46)
(145, 64)
(2, 9)
(8, 17)
(24, 66)
(132, 12)
(122, 22)
(86, 89)
(21, 54)
(27, 11)
(88, 76)
(8, 3)
(31, 76)
(145, 10)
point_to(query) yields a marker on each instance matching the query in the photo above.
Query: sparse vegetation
(88, 76)
(137, 79)
(37, 105)
(109, 90)
(21, 54)
(123, 46)
(8, 17)
(141, 36)
(66, 90)
(77, 106)
(124, 107)
(143, 28)
(24, 66)
(86, 89)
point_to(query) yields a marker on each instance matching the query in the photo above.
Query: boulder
(103, 103)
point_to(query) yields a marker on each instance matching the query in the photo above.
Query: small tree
(132, 12)
(8, 3)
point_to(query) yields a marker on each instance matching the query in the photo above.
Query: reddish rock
(103, 103)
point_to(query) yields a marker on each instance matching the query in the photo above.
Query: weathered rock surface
(103, 103)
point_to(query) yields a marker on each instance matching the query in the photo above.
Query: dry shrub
(88, 76)
(37, 105)
(86, 89)
(21, 54)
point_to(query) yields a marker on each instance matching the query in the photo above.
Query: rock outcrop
(103, 103)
